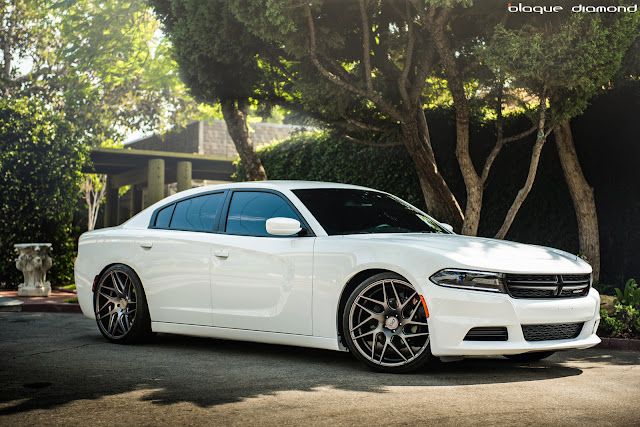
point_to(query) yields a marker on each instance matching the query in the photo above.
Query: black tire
(120, 306)
(534, 356)
(385, 326)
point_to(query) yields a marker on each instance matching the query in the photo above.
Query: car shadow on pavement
(209, 372)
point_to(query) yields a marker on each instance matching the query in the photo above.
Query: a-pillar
(135, 205)
(111, 204)
(155, 181)
(184, 176)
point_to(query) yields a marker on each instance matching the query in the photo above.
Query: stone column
(135, 205)
(155, 189)
(184, 176)
(111, 204)
(34, 262)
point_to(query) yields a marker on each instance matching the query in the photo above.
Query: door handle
(221, 253)
(146, 245)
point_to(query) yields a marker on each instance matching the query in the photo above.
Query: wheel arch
(106, 267)
(348, 288)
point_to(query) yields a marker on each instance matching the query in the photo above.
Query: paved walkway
(10, 301)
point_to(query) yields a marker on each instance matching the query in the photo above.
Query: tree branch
(384, 105)
(533, 168)
(402, 81)
(366, 47)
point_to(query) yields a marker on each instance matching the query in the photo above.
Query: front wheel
(120, 306)
(385, 325)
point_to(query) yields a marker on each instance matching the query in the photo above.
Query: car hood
(484, 254)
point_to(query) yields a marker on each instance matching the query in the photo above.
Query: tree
(101, 65)
(98, 63)
(371, 72)
(543, 56)
(93, 189)
(217, 57)
(40, 170)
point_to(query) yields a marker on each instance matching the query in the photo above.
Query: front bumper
(453, 312)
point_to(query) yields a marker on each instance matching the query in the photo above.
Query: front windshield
(346, 211)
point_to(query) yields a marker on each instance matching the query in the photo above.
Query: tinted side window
(250, 210)
(198, 213)
(164, 217)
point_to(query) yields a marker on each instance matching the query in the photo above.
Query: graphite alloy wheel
(534, 356)
(385, 325)
(120, 306)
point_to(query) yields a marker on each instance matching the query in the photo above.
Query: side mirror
(447, 227)
(283, 226)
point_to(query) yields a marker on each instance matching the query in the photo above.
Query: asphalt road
(56, 369)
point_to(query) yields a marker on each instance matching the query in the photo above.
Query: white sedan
(331, 266)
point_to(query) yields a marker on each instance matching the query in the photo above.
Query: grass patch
(68, 287)
(71, 300)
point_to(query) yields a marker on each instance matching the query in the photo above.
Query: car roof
(283, 185)
(141, 220)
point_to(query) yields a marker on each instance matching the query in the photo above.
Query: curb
(10, 305)
(619, 344)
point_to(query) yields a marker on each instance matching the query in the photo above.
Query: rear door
(173, 259)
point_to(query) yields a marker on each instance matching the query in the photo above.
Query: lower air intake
(557, 331)
(487, 333)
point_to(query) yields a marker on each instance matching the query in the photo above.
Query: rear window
(198, 213)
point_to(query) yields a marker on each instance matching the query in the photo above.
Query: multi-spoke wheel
(120, 306)
(385, 324)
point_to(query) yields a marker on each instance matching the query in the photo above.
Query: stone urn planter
(34, 261)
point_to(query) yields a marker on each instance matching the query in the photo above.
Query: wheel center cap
(392, 322)
(123, 304)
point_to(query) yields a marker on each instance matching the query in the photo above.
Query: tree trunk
(582, 195)
(441, 203)
(235, 115)
(531, 176)
(471, 178)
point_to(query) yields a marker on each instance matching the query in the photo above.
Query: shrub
(631, 294)
(624, 323)
(40, 167)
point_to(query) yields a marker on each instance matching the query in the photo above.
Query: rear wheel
(534, 356)
(385, 325)
(120, 306)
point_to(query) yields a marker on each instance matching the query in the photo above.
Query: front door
(261, 282)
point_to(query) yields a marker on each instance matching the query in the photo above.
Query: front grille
(558, 331)
(487, 333)
(548, 285)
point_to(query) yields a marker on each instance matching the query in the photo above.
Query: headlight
(469, 279)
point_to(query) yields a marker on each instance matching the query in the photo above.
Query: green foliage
(624, 323)
(101, 64)
(218, 56)
(570, 57)
(631, 294)
(605, 289)
(321, 156)
(40, 163)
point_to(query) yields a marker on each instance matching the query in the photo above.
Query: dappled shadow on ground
(208, 372)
